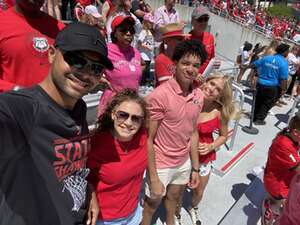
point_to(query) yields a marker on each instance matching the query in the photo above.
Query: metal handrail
(234, 73)
(237, 89)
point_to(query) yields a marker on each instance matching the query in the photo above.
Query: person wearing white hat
(92, 10)
(94, 18)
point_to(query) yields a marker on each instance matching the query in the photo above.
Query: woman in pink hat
(125, 58)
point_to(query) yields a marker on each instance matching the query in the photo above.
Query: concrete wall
(229, 36)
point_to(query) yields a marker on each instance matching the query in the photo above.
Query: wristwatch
(195, 170)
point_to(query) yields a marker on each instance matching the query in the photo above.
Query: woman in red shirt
(282, 165)
(218, 109)
(118, 159)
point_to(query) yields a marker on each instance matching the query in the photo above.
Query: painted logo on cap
(40, 44)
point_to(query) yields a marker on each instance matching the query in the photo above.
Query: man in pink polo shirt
(173, 138)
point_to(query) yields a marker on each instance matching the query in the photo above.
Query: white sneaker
(194, 216)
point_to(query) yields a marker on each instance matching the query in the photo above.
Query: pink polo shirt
(178, 115)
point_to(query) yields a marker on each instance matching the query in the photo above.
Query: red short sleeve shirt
(164, 68)
(283, 157)
(208, 41)
(116, 172)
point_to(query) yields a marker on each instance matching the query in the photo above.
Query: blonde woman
(217, 111)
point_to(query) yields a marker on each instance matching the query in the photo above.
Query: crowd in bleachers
(254, 17)
(67, 175)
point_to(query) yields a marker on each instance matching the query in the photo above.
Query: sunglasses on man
(123, 116)
(79, 62)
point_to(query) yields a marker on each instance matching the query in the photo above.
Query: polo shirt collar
(176, 87)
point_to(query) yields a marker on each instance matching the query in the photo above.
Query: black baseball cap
(79, 37)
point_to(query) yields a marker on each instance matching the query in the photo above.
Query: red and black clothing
(44, 150)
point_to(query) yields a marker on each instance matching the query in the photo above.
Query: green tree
(280, 9)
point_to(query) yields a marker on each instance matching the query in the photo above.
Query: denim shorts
(133, 219)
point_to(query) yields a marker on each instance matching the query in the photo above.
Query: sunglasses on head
(123, 116)
(203, 19)
(129, 29)
(78, 61)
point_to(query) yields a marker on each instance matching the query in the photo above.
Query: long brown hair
(105, 121)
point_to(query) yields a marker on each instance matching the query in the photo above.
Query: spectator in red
(172, 34)
(25, 36)
(259, 21)
(282, 165)
(79, 10)
(235, 12)
(200, 18)
(107, 8)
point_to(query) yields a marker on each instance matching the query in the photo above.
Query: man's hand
(93, 211)
(194, 180)
(157, 189)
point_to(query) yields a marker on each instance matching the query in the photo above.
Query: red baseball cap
(118, 20)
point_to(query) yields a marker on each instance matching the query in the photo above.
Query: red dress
(205, 130)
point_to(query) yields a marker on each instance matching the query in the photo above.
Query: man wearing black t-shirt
(44, 138)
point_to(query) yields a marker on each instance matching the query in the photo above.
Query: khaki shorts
(179, 175)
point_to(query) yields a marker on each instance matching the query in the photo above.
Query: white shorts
(205, 169)
(179, 175)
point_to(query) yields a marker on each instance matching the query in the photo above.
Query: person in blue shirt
(271, 83)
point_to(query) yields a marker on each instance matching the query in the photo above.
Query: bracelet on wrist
(195, 170)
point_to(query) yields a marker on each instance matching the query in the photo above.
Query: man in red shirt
(25, 36)
(200, 17)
